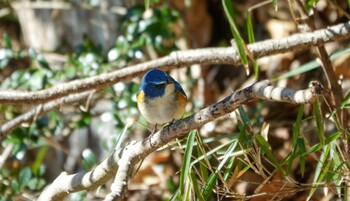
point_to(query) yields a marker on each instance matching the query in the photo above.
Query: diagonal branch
(227, 55)
(123, 159)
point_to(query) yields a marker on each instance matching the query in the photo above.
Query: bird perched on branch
(160, 98)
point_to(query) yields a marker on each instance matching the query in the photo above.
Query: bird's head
(156, 83)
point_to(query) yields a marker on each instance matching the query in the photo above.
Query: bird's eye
(159, 85)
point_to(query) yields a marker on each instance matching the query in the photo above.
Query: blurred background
(44, 43)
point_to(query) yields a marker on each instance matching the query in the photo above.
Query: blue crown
(154, 82)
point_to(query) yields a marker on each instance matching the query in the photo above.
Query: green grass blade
(174, 197)
(310, 66)
(334, 155)
(229, 168)
(215, 150)
(201, 152)
(196, 188)
(346, 99)
(302, 69)
(228, 8)
(187, 191)
(332, 137)
(227, 155)
(297, 125)
(208, 188)
(244, 115)
(313, 149)
(250, 30)
(274, 2)
(302, 148)
(296, 134)
(266, 148)
(289, 160)
(319, 120)
(40, 156)
(147, 2)
(251, 39)
(187, 159)
(318, 170)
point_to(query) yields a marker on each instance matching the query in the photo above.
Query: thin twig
(60, 5)
(31, 115)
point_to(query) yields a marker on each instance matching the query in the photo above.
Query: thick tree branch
(228, 55)
(123, 159)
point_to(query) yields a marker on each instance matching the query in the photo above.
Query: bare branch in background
(228, 55)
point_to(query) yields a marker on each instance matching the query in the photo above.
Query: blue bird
(160, 98)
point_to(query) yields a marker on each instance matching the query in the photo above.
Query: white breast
(162, 109)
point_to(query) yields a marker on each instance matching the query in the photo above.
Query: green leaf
(15, 185)
(89, 157)
(187, 159)
(309, 4)
(319, 121)
(7, 40)
(24, 176)
(42, 61)
(36, 184)
(38, 57)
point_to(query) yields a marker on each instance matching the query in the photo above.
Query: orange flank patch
(140, 97)
(182, 98)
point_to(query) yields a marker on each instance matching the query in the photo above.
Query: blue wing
(178, 87)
